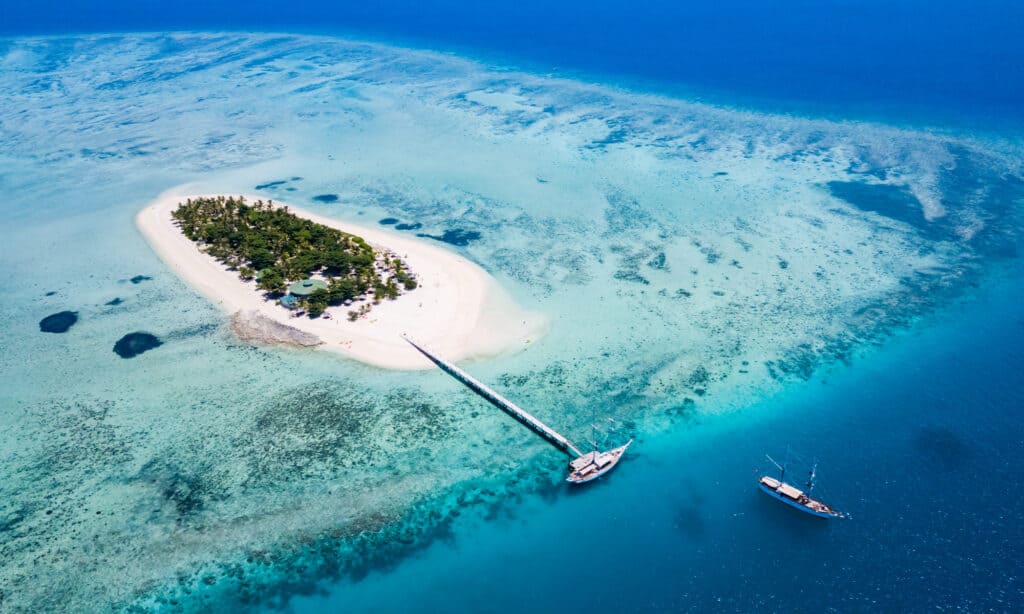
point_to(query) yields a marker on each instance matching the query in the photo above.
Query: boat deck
(795, 497)
(593, 465)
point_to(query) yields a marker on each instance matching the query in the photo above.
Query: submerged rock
(255, 327)
(138, 279)
(659, 262)
(58, 322)
(133, 344)
(453, 236)
(894, 202)
(942, 447)
(326, 198)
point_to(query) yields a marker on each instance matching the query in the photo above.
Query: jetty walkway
(518, 413)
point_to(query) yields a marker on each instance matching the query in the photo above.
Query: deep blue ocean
(917, 61)
(920, 440)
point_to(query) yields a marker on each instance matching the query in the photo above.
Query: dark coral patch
(413, 226)
(387, 221)
(326, 198)
(270, 184)
(51, 293)
(659, 262)
(138, 279)
(58, 322)
(893, 202)
(942, 447)
(115, 301)
(187, 490)
(133, 344)
(631, 276)
(454, 236)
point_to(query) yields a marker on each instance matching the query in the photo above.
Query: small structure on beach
(289, 301)
(300, 290)
(306, 287)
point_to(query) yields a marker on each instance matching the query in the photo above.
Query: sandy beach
(458, 309)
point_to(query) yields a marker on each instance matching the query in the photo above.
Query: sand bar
(458, 310)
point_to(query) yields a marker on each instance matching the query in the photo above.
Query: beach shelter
(306, 287)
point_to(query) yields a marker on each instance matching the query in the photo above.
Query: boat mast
(782, 468)
(811, 476)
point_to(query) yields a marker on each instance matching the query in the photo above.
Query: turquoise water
(703, 267)
(682, 526)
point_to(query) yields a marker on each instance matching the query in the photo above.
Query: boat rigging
(800, 499)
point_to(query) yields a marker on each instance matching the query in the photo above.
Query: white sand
(458, 309)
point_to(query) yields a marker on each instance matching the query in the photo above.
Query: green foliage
(354, 314)
(271, 280)
(262, 236)
(261, 258)
(338, 261)
(285, 248)
(341, 290)
(316, 303)
(402, 275)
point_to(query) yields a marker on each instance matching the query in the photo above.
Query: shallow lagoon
(693, 261)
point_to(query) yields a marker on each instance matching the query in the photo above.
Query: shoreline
(457, 309)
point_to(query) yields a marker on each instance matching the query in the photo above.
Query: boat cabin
(788, 491)
(797, 498)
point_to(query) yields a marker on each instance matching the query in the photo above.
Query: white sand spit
(458, 309)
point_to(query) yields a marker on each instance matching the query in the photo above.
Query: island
(289, 276)
(323, 265)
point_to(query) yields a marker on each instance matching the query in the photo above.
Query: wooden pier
(583, 467)
(510, 408)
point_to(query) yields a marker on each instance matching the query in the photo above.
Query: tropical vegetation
(276, 247)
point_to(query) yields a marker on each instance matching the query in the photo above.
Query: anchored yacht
(795, 497)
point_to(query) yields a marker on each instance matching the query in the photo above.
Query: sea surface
(933, 61)
(752, 229)
(919, 444)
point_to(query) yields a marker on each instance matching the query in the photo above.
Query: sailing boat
(793, 496)
(594, 464)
